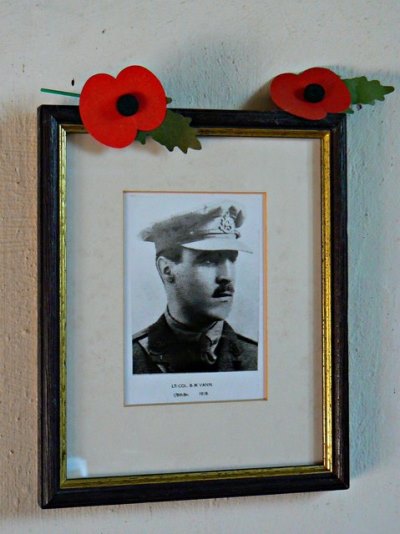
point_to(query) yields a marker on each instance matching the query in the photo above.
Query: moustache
(223, 290)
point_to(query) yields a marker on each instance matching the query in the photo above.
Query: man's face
(204, 284)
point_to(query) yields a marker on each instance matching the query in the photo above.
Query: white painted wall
(214, 55)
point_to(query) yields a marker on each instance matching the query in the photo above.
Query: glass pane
(107, 437)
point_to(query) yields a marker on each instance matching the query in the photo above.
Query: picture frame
(303, 164)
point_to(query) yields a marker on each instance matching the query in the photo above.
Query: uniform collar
(184, 333)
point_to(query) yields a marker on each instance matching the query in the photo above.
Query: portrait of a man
(196, 255)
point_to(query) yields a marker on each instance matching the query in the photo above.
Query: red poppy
(312, 94)
(114, 109)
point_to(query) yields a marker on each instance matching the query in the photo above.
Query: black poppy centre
(314, 92)
(127, 105)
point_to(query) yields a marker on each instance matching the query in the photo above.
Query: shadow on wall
(217, 75)
(371, 183)
(18, 414)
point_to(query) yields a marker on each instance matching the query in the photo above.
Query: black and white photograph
(195, 302)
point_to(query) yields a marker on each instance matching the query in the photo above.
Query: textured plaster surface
(213, 55)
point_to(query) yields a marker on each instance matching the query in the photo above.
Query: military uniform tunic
(158, 349)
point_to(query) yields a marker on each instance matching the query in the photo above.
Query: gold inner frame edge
(327, 416)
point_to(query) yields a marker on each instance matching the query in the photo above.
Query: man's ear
(165, 268)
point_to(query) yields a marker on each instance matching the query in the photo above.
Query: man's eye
(216, 258)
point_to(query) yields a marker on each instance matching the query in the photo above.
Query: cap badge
(226, 223)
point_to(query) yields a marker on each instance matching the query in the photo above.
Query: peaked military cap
(209, 228)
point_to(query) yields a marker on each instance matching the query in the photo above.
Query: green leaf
(176, 131)
(365, 91)
(141, 137)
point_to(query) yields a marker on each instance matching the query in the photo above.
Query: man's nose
(226, 271)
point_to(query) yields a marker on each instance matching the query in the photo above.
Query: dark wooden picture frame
(56, 490)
